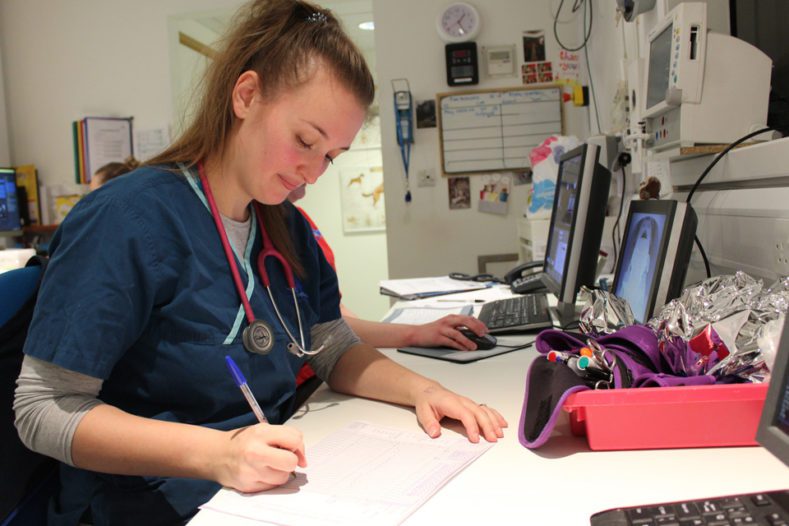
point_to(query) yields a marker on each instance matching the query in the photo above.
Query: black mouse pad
(453, 355)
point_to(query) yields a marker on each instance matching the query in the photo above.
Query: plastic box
(668, 417)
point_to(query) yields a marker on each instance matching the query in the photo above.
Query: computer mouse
(484, 343)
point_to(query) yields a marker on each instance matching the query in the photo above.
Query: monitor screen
(576, 228)
(637, 277)
(656, 247)
(9, 205)
(659, 64)
(563, 217)
(773, 431)
(781, 417)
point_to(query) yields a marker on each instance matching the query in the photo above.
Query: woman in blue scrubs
(124, 379)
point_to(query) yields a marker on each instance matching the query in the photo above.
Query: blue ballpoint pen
(242, 384)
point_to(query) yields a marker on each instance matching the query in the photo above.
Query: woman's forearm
(364, 371)
(112, 441)
(382, 335)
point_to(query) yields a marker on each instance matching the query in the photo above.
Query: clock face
(458, 22)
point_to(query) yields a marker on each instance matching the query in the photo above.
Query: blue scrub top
(138, 293)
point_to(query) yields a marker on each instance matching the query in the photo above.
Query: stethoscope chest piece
(258, 337)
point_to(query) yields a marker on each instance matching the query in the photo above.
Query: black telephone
(523, 282)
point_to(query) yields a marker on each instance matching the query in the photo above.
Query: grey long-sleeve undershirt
(50, 401)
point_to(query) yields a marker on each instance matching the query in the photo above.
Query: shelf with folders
(98, 141)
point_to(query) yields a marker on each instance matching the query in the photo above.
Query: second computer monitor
(773, 431)
(576, 227)
(10, 223)
(655, 254)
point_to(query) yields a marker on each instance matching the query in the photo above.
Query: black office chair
(303, 392)
(27, 479)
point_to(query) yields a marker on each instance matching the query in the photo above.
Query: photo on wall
(362, 199)
(534, 45)
(459, 193)
(426, 114)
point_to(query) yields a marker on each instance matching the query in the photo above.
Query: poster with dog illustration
(362, 199)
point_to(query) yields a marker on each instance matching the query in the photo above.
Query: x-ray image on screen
(639, 261)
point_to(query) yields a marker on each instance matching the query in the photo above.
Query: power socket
(781, 259)
(425, 177)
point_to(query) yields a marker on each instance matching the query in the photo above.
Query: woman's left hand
(435, 402)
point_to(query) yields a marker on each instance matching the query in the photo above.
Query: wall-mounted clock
(458, 22)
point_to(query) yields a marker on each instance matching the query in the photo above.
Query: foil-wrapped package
(716, 327)
(603, 312)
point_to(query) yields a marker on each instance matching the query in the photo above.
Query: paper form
(360, 474)
(420, 315)
(417, 286)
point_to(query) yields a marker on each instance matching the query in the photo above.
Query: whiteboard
(494, 130)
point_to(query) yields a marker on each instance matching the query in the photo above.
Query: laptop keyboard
(526, 312)
(767, 509)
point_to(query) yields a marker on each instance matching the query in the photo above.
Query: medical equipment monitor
(10, 221)
(576, 226)
(690, 95)
(656, 250)
(659, 67)
(675, 66)
(773, 430)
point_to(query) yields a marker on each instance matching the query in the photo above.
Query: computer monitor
(773, 431)
(10, 221)
(576, 227)
(656, 248)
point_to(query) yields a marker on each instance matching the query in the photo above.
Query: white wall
(65, 60)
(426, 238)
(5, 152)
(360, 257)
(113, 57)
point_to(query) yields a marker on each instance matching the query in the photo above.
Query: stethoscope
(258, 336)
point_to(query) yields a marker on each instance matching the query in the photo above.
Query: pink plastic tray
(668, 417)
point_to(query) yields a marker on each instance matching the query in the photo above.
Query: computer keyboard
(766, 509)
(520, 313)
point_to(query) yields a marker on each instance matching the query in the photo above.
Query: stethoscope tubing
(266, 251)
(225, 244)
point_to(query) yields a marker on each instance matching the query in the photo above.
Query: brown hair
(112, 170)
(279, 40)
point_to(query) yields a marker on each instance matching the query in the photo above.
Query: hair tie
(316, 18)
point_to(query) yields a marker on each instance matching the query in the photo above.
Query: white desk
(562, 483)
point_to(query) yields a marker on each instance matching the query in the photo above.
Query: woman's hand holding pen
(260, 457)
(436, 402)
(444, 333)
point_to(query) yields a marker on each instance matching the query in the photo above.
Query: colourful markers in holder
(586, 366)
(588, 362)
(559, 356)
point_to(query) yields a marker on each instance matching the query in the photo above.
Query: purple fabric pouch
(631, 355)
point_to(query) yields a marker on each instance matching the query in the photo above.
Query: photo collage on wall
(494, 195)
(536, 69)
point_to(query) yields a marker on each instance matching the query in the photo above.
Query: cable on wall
(584, 45)
(705, 173)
